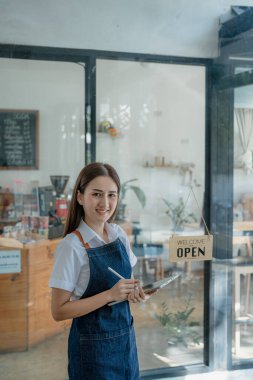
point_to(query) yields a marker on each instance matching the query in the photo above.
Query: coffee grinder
(59, 183)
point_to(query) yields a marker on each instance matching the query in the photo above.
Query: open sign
(190, 248)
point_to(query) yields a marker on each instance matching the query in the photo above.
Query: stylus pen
(119, 276)
(116, 273)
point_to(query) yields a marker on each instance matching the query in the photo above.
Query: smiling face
(99, 200)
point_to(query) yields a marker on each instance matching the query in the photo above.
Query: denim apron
(102, 343)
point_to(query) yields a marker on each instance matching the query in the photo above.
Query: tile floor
(48, 359)
(246, 374)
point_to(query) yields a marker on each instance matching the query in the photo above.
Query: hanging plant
(106, 126)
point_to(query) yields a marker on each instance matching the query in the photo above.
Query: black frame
(236, 49)
(89, 57)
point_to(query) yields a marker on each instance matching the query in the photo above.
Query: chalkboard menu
(18, 139)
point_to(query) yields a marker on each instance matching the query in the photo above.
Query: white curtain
(244, 122)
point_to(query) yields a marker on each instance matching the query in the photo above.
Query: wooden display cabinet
(25, 298)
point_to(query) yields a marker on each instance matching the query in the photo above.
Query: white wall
(182, 27)
(243, 179)
(56, 90)
(159, 110)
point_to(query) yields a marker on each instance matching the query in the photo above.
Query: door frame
(89, 58)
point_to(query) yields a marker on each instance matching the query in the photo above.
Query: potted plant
(178, 214)
(180, 329)
(125, 186)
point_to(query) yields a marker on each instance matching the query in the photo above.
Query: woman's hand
(122, 289)
(137, 294)
(148, 294)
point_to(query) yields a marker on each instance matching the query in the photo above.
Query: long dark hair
(86, 175)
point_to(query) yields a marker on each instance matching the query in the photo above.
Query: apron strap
(78, 234)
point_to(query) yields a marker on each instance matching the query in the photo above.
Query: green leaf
(136, 189)
(177, 324)
(139, 194)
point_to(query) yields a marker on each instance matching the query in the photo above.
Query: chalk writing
(18, 139)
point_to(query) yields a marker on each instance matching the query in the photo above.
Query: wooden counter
(25, 298)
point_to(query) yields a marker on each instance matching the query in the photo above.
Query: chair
(150, 256)
(240, 242)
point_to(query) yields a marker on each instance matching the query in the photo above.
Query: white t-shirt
(71, 270)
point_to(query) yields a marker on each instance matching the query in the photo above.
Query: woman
(101, 340)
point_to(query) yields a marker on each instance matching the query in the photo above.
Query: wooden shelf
(184, 166)
(108, 136)
(166, 166)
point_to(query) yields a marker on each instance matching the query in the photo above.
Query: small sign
(190, 248)
(10, 261)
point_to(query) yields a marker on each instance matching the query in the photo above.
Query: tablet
(154, 286)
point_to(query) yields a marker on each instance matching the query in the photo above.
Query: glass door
(151, 128)
(243, 220)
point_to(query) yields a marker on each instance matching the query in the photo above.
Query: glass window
(55, 90)
(151, 128)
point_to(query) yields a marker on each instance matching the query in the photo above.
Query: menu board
(18, 139)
